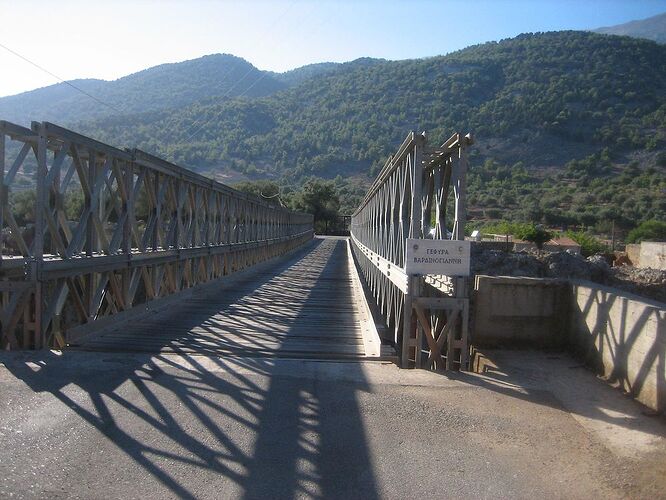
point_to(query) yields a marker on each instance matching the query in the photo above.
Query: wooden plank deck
(307, 306)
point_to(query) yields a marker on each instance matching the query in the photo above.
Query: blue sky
(92, 39)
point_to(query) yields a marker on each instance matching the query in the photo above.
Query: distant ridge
(569, 126)
(652, 28)
(162, 87)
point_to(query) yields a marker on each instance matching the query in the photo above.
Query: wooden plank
(304, 308)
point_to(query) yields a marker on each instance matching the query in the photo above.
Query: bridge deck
(306, 306)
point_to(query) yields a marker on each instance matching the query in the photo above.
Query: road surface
(111, 425)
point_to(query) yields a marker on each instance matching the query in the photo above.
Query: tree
(534, 233)
(651, 230)
(660, 159)
(267, 190)
(589, 245)
(23, 206)
(319, 198)
(74, 203)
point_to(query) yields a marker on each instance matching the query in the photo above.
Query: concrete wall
(623, 337)
(653, 255)
(508, 311)
(634, 253)
(647, 254)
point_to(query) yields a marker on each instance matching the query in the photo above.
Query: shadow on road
(208, 426)
(558, 380)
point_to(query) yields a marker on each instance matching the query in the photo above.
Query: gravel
(649, 283)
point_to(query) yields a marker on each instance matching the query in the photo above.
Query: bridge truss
(419, 193)
(113, 231)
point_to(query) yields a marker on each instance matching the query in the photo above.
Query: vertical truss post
(41, 204)
(412, 335)
(458, 348)
(429, 312)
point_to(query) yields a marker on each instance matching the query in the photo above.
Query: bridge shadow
(574, 378)
(197, 426)
(277, 312)
(610, 354)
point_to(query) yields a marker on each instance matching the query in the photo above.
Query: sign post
(447, 257)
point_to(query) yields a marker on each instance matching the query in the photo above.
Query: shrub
(589, 245)
(651, 230)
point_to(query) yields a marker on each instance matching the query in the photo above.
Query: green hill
(543, 99)
(570, 126)
(299, 75)
(161, 87)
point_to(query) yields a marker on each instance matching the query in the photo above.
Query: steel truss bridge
(121, 250)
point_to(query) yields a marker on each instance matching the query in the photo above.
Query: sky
(108, 40)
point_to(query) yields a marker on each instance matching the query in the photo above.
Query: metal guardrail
(418, 194)
(113, 229)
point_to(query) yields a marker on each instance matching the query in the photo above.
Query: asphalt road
(93, 425)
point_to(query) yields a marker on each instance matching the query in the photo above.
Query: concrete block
(624, 337)
(510, 311)
(621, 335)
(653, 254)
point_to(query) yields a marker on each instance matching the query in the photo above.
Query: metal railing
(418, 194)
(90, 231)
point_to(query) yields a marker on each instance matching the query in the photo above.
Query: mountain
(652, 28)
(299, 75)
(570, 126)
(158, 88)
(532, 99)
(559, 119)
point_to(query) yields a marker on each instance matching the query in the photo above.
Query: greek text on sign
(449, 257)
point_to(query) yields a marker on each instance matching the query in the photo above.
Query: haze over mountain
(161, 87)
(652, 28)
(570, 126)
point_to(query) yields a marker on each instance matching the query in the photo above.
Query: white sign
(449, 257)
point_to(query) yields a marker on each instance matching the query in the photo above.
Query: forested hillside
(570, 127)
(166, 86)
(545, 98)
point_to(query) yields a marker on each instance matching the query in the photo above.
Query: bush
(521, 230)
(589, 245)
(534, 233)
(651, 230)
